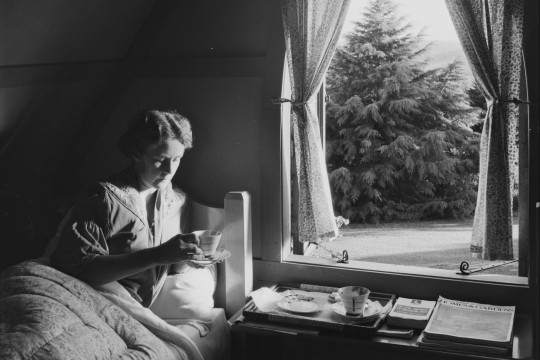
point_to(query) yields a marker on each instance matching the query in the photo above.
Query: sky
(431, 14)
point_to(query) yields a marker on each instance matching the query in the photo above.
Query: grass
(432, 244)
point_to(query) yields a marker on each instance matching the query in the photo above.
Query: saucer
(371, 311)
(298, 304)
(220, 255)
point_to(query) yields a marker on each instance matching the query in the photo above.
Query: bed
(46, 314)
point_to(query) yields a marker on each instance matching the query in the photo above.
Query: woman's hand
(107, 268)
(178, 248)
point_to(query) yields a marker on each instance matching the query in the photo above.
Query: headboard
(235, 274)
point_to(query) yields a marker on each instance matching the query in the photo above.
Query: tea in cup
(354, 299)
(208, 241)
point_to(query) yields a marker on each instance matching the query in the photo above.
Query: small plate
(371, 311)
(220, 255)
(296, 304)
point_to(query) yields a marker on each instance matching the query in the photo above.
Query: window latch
(464, 267)
(342, 258)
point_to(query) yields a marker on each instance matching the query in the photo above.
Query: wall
(72, 74)
(225, 114)
(220, 69)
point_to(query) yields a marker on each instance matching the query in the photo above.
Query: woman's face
(156, 167)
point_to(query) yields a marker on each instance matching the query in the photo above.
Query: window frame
(278, 265)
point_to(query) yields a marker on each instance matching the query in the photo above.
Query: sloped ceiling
(59, 31)
(55, 58)
(219, 28)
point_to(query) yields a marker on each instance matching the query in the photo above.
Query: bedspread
(46, 314)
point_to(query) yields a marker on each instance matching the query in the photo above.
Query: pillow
(187, 296)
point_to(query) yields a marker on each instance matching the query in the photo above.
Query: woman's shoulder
(122, 185)
(117, 189)
(124, 181)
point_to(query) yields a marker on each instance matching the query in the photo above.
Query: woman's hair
(149, 127)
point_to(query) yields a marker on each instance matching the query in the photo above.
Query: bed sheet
(216, 345)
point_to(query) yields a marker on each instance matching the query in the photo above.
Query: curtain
(490, 32)
(312, 29)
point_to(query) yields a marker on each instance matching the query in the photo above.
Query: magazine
(411, 313)
(472, 323)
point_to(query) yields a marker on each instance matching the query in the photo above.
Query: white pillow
(187, 296)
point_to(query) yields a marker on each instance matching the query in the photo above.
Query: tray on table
(325, 319)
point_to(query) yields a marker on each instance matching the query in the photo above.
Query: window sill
(408, 270)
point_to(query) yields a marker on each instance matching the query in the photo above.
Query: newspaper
(473, 323)
(461, 346)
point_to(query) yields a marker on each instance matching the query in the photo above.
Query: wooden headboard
(235, 274)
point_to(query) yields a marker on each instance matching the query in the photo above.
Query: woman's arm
(107, 268)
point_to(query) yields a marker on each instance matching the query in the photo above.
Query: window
(278, 264)
(407, 174)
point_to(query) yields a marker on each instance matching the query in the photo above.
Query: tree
(476, 99)
(398, 145)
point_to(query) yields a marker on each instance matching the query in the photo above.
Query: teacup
(354, 299)
(208, 241)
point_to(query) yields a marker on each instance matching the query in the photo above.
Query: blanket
(46, 314)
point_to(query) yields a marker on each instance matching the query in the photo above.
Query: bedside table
(265, 341)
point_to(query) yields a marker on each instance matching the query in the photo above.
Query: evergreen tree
(476, 99)
(397, 142)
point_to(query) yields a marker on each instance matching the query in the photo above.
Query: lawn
(432, 244)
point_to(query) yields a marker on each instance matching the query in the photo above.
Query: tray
(324, 320)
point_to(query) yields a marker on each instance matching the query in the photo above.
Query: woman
(128, 228)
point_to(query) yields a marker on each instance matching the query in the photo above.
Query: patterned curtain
(490, 32)
(312, 29)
